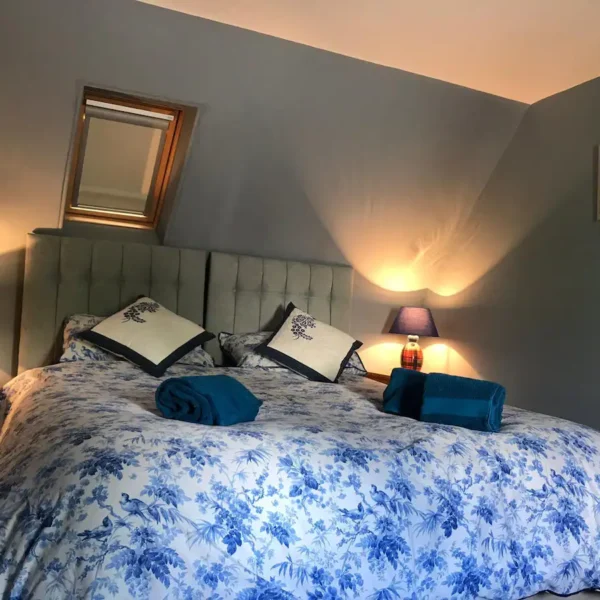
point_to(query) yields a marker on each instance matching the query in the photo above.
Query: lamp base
(412, 355)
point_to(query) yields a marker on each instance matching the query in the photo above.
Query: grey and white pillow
(198, 357)
(309, 347)
(75, 348)
(148, 335)
(355, 366)
(240, 350)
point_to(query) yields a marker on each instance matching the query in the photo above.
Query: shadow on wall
(263, 206)
(532, 322)
(11, 270)
(103, 232)
(547, 163)
(265, 179)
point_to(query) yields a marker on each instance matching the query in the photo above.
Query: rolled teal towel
(469, 403)
(207, 400)
(404, 394)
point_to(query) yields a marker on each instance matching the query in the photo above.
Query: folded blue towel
(469, 403)
(208, 400)
(404, 394)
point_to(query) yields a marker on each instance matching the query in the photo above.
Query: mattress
(324, 496)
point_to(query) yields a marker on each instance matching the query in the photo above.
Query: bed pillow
(148, 335)
(309, 347)
(198, 357)
(355, 366)
(74, 348)
(240, 350)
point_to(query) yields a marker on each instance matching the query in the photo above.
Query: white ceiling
(520, 49)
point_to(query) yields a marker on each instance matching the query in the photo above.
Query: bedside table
(379, 377)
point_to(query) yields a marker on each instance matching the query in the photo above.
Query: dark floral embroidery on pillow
(300, 323)
(133, 312)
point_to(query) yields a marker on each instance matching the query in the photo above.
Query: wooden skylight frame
(133, 105)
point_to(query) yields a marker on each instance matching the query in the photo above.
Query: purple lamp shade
(411, 320)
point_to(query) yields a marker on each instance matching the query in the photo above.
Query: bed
(324, 496)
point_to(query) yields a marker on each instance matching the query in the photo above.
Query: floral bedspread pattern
(323, 497)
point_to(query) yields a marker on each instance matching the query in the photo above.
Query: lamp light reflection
(438, 358)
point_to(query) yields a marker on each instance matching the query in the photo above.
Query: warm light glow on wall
(447, 290)
(442, 358)
(406, 240)
(439, 358)
(381, 358)
(395, 279)
(404, 234)
(436, 358)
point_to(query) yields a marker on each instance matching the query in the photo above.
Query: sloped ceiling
(521, 49)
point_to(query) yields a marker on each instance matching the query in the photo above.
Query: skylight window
(122, 159)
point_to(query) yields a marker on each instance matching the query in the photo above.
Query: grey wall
(102, 232)
(529, 312)
(298, 153)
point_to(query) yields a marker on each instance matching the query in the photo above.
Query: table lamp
(413, 321)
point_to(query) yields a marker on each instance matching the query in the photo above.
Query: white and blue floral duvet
(323, 497)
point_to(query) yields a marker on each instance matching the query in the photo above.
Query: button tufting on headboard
(248, 294)
(64, 276)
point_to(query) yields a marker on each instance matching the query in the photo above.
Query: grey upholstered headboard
(64, 276)
(247, 294)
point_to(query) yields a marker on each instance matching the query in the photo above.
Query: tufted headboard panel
(247, 294)
(65, 275)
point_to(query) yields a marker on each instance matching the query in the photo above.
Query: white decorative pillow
(74, 348)
(77, 349)
(240, 349)
(309, 347)
(148, 335)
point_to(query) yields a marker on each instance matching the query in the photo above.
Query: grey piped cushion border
(65, 276)
(247, 294)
